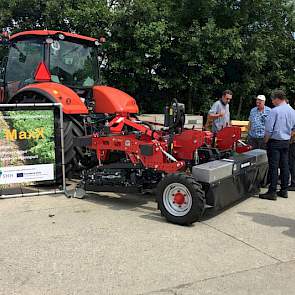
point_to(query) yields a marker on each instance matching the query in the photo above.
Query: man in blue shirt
(256, 126)
(292, 162)
(278, 129)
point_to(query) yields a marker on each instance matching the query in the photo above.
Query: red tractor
(54, 67)
(193, 170)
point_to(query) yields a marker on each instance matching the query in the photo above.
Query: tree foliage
(188, 49)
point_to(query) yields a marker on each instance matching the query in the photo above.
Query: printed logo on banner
(5, 175)
(28, 173)
(13, 135)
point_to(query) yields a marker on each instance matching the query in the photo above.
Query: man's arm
(266, 138)
(213, 112)
(249, 125)
(292, 139)
(228, 123)
(269, 125)
(215, 116)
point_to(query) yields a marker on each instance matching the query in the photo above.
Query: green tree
(188, 49)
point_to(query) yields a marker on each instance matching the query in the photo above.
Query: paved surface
(108, 244)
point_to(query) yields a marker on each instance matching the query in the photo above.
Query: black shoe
(269, 196)
(291, 188)
(283, 194)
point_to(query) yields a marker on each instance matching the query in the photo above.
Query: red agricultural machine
(192, 170)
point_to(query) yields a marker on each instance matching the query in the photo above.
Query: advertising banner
(27, 146)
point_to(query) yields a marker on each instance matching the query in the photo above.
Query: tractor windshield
(23, 59)
(73, 64)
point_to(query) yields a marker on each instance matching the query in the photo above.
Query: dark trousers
(292, 163)
(278, 153)
(256, 143)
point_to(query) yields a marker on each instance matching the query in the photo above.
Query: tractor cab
(71, 60)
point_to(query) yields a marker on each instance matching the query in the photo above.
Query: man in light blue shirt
(219, 112)
(256, 126)
(278, 129)
(292, 162)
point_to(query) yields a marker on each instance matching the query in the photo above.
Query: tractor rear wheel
(180, 198)
(74, 156)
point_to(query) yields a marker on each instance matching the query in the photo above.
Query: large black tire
(180, 198)
(74, 157)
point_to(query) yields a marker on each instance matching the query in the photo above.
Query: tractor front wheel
(180, 198)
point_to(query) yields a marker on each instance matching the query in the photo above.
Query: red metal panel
(131, 146)
(112, 100)
(243, 148)
(185, 143)
(226, 137)
(71, 102)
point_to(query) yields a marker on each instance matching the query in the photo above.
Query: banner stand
(34, 190)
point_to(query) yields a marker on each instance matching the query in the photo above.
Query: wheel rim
(177, 199)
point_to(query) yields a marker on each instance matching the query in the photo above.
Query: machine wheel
(74, 156)
(180, 198)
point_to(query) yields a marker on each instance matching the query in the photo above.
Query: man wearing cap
(219, 112)
(278, 128)
(256, 125)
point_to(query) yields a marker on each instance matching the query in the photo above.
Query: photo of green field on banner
(27, 146)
